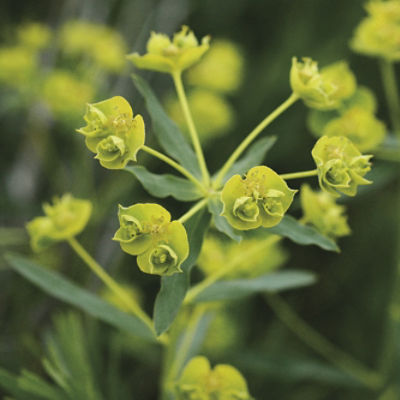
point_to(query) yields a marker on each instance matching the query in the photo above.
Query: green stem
(110, 283)
(252, 135)
(297, 175)
(391, 92)
(183, 349)
(198, 206)
(177, 77)
(321, 345)
(175, 165)
(195, 291)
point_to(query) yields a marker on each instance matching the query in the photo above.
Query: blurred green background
(42, 156)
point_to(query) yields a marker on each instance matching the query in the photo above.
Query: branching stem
(177, 77)
(297, 175)
(251, 136)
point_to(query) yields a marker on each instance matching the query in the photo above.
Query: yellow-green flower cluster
(34, 36)
(18, 66)
(112, 132)
(66, 95)
(221, 68)
(378, 35)
(171, 56)
(355, 119)
(325, 89)
(199, 382)
(63, 220)
(146, 231)
(341, 167)
(98, 43)
(260, 199)
(321, 211)
(252, 257)
(212, 114)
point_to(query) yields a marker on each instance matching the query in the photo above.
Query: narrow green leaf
(167, 132)
(272, 282)
(291, 369)
(215, 206)
(165, 185)
(302, 234)
(62, 289)
(174, 288)
(9, 383)
(254, 156)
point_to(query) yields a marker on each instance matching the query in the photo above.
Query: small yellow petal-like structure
(171, 56)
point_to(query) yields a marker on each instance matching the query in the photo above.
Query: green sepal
(137, 226)
(341, 167)
(260, 199)
(66, 218)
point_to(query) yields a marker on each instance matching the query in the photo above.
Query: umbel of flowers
(259, 199)
(112, 133)
(146, 231)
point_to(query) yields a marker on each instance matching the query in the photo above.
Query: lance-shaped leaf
(168, 134)
(165, 185)
(62, 289)
(254, 156)
(174, 288)
(272, 282)
(302, 234)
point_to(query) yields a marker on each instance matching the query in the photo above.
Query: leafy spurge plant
(243, 195)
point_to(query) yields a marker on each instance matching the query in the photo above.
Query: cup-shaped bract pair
(64, 219)
(325, 89)
(378, 34)
(341, 167)
(171, 56)
(261, 198)
(112, 132)
(146, 231)
(321, 211)
(199, 382)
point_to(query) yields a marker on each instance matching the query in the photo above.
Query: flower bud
(260, 199)
(341, 167)
(146, 231)
(199, 382)
(170, 56)
(112, 132)
(360, 126)
(321, 211)
(66, 218)
(309, 85)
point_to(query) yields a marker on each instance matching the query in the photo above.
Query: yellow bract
(64, 219)
(171, 56)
